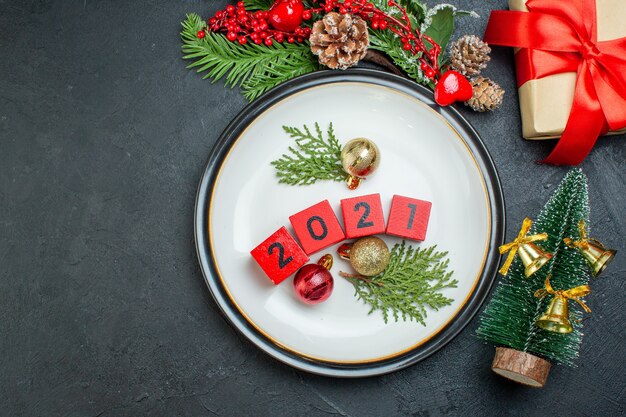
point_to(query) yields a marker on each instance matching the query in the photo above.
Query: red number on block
(317, 227)
(363, 216)
(408, 217)
(279, 255)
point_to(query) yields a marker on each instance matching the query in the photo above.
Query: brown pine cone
(339, 41)
(469, 55)
(487, 95)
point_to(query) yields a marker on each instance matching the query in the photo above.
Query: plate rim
(476, 298)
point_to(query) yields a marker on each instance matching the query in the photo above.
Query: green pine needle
(256, 68)
(388, 42)
(510, 315)
(312, 159)
(253, 5)
(410, 285)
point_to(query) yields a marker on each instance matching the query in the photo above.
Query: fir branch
(439, 19)
(388, 42)
(256, 68)
(410, 285)
(509, 318)
(258, 4)
(415, 9)
(253, 5)
(312, 159)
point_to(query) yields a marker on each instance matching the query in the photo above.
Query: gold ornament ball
(360, 157)
(369, 256)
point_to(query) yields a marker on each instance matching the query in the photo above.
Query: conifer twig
(313, 158)
(256, 68)
(411, 283)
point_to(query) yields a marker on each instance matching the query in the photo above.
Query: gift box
(546, 103)
(571, 70)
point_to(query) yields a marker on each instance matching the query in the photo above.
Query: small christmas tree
(509, 318)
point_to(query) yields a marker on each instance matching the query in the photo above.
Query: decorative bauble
(368, 256)
(451, 87)
(313, 282)
(286, 15)
(359, 157)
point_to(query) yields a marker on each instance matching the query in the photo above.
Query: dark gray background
(103, 309)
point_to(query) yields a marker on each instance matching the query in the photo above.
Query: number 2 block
(363, 216)
(317, 227)
(408, 217)
(279, 256)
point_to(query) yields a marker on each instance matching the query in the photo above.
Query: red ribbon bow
(561, 36)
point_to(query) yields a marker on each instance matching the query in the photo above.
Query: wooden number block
(279, 255)
(363, 216)
(408, 217)
(317, 227)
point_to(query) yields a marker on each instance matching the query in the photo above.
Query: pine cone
(339, 41)
(487, 95)
(469, 55)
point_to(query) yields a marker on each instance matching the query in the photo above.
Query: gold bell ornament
(533, 256)
(556, 318)
(597, 256)
(369, 256)
(360, 157)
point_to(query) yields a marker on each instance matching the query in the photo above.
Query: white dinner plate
(427, 152)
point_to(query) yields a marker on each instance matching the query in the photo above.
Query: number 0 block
(408, 217)
(317, 227)
(363, 216)
(279, 255)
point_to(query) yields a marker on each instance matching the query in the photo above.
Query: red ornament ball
(286, 15)
(313, 283)
(200, 34)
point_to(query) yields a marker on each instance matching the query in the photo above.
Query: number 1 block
(363, 216)
(317, 227)
(279, 256)
(408, 217)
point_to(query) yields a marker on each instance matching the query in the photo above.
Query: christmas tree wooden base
(521, 367)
